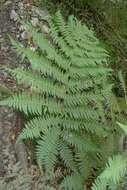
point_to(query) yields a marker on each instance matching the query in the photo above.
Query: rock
(44, 14)
(1, 129)
(44, 28)
(7, 3)
(21, 154)
(22, 28)
(13, 15)
(33, 48)
(24, 35)
(20, 5)
(34, 21)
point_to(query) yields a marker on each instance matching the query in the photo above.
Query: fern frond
(100, 185)
(82, 99)
(47, 47)
(25, 103)
(82, 143)
(47, 148)
(35, 127)
(66, 83)
(72, 182)
(34, 103)
(40, 63)
(89, 71)
(67, 156)
(39, 83)
(84, 164)
(123, 127)
(115, 169)
(113, 173)
(80, 112)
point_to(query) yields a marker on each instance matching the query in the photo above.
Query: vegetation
(67, 88)
(76, 91)
(116, 169)
(108, 19)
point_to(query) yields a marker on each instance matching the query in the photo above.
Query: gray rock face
(24, 35)
(13, 15)
(21, 154)
(7, 3)
(44, 14)
(34, 21)
(20, 5)
(44, 28)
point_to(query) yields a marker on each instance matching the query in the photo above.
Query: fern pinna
(67, 82)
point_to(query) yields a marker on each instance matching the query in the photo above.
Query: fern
(114, 173)
(116, 169)
(67, 82)
(74, 181)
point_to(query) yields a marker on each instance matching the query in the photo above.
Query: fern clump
(66, 88)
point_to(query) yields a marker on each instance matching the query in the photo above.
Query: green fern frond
(74, 181)
(36, 127)
(47, 47)
(40, 63)
(47, 148)
(66, 83)
(80, 112)
(100, 185)
(115, 170)
(82, 143)
(25, 103)
(123, 127)
(67, 157)
(41, 85)
(33, 104)
(84, 164)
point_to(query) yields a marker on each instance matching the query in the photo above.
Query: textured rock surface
(10, 121)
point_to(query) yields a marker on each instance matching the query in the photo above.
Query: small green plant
(67, 88)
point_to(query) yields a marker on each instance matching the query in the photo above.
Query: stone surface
(44, 14)
(44, 28)
(9, 125)
(34, 21)
(7, 3)
(13, 15)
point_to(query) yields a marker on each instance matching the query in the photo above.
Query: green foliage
(67, 87)
(109, 20)
(116, 169)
